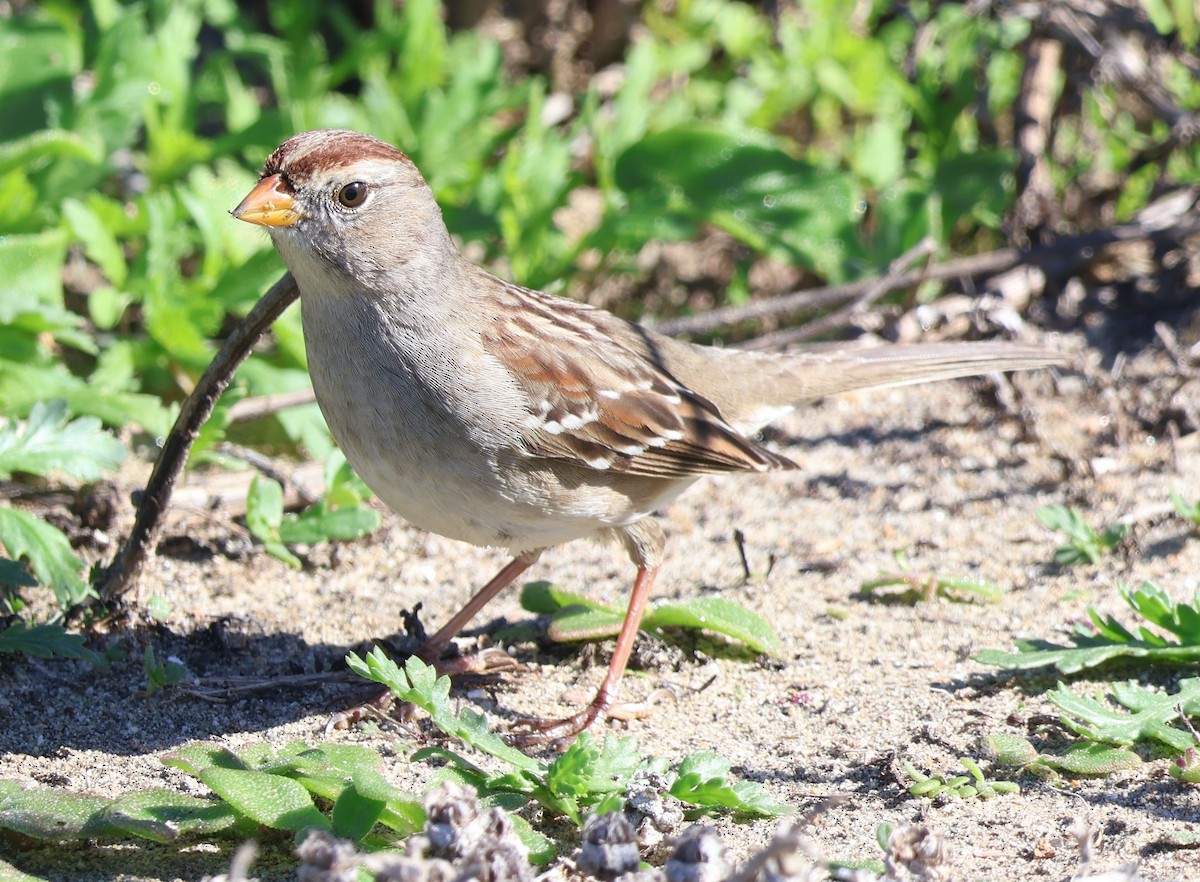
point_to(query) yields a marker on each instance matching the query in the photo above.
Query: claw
(375, 707)
(531, 732)
(485, 661)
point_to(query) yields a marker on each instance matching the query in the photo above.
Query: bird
(502, 416)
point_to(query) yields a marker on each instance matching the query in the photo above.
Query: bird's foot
(485, 661)
(374, 708)
(532, 732)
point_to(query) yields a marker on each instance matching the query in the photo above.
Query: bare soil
(941, 472)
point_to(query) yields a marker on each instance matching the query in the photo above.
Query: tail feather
(815, 375)
(758, 387)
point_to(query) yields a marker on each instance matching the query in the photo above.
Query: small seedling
(1109, 639)
(1084, 544)
(1187, 510)
(918, 585)
(1082, 759)
(1186, 767)
(160, 675)
(340, 515)
(973, 784)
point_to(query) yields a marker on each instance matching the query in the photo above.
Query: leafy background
(815, 142)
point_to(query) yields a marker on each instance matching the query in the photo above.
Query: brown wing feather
(622, 413)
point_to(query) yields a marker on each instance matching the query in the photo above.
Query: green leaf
(1114, 641)
(546, 598)
(1091, 759)
(1187, 510)
(47, 641)
(400, 811)
(160, 675)
(355, 814)
(49, 554)
(746, 184)
(570, 774)
(1155, 605)
(320, 524)
(585, 623)
(164, 815)
(36, 67)
(702, 782)
(48, 442)
(99, 242)
(29, 151)
(13, 575)
(1147, 719)
(576, 617)
(264, 515)
(53, 815)
(1010, 750)
(29, 272)
(270, 800)
(342, 486)
(195, 758)
(419, 684)
(719, 615)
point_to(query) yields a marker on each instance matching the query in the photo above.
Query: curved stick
(116, 580)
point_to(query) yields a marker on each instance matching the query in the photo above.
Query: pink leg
(542, 731)
(434, 645)
(487, 660)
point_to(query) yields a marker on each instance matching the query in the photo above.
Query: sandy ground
(862, 684)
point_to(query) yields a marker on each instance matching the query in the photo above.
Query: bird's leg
(542, 731)
(433, 647)
(478, 662)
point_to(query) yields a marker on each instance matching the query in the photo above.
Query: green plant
(49, 442)
(46, 640)
(973, 784)
(1187, 510)
(1110, 640)
(919, 585)
(255, 786)
(1086, 759)
(48, 553)
(586, 777)
(575, 617)
(160, 675)
(339, 515)
(1143, 716)
(1186, 766)
(1084, 544)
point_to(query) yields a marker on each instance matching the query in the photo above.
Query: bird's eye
(353, 194)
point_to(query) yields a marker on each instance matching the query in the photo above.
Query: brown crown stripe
(306, 154)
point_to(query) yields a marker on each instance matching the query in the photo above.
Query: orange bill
(269, 204)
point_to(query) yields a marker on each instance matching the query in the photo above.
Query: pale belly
(452, 470)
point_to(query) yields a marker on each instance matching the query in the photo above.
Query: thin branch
(264, 405)
(119, 577)
(1061, 258)
(840, 318)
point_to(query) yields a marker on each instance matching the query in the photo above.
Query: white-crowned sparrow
(501, 416)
